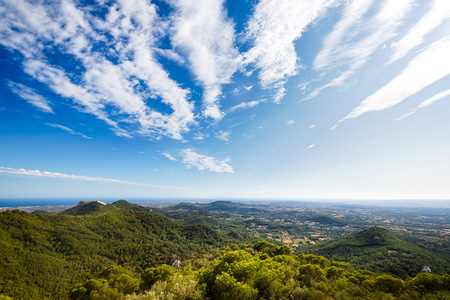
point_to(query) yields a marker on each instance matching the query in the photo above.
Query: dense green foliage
(123, 250)
(248, 274)
(376, 249)
(42, 255)
(301, 225)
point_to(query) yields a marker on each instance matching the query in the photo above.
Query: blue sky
(207, 98)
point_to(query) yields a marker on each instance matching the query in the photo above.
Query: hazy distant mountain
(220, 206)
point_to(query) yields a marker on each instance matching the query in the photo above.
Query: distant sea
(23, 202)
(20, 202)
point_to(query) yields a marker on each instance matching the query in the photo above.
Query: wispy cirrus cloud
(30, 96)
(426, 68)
(203, 32)
(426, 103)
(204, 162)
(119, 71)
(61, 84)
(351, 18)
(249, 104)
(200, 136)
(290, 122)
(115, 49)
(273, 29)
(36, 173)
(169, 156)
(224, 135)
(341, 49)
(433, 99)
(438, 12)
(69, 130)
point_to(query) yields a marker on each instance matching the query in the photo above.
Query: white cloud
(434, 99)
(202, 30)
(117, 55)
(405, 115)
(37, 173)
(30, 96)
(351, 18)
(290, 122)
(203, 162)
(340, 48)
(426, 68)
(61, 84)
(69, 130)
(311, 146)
(171, 55)
(248, 88)
(279, 95)
(273, 29)
(199, 136)
(223, 135)
(312, 126)
(244, 105)
(436, 15)
(426, 103)
(169, 156)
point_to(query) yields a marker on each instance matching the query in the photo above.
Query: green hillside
(43, 255)
(97, 208)
(262, 271)
(378, 250)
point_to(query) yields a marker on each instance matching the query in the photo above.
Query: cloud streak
(224, 135)
(30, 96)
(436, 15)
(117, 49)
(341, 49)
(426, 68)
(169, 156)
(44, 174)
(290, 122)
(273, 29)
(245, 105)
(69, 130)
(426, 103)
(204, 162)
(203, 32)
(351, 18)
(119, 71)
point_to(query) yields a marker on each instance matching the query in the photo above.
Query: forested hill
(43, 255)
(109, 251)
(261, 271)
(378, 250)
(98, 208)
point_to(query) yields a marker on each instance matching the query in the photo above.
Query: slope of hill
(98, 208)
(264, 271)
(378, 250)
(43, 255)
